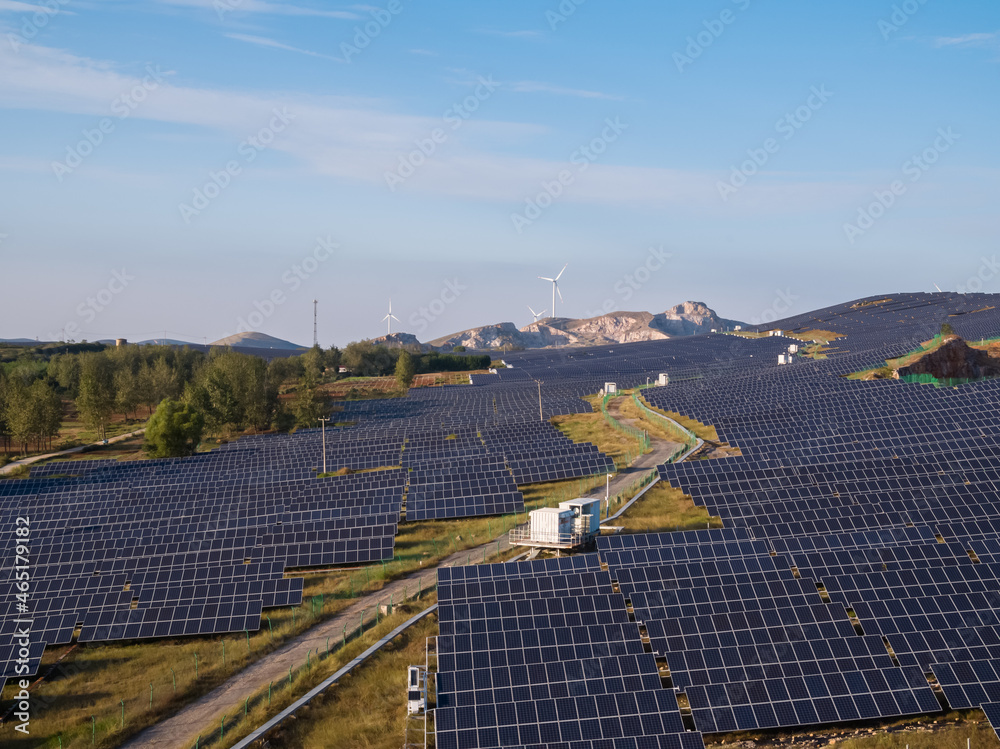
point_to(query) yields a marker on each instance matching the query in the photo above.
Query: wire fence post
(174, 676)
(195, 665)
(123, 713)
(270, 629)
(150, 695)
(269, 685)
(247, 633)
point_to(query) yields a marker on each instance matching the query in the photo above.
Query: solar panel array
(857, 566)
(543, 654)
(197, 546)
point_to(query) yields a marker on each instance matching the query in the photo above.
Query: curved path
(71, 451)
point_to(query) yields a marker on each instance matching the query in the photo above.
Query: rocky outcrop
(689, 318)
(955, 359)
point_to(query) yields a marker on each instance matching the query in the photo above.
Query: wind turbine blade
(937, 287)
(394, 318)
(547, 279)
(559, 292)
(562, 271)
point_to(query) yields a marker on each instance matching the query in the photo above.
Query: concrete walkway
(71, 451)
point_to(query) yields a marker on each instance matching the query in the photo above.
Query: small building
(610, 388)
(793, 349)
(781, 359)
(574, 523)
(119, 342)
(663, 379)
(738, 327)
(776, 332)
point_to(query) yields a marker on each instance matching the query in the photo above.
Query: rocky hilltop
(689, 318)
(955, 359)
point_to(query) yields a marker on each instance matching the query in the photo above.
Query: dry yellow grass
(592, 428)
(703, 431)
(664, 508)
(374, 698)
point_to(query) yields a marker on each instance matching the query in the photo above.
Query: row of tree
(223, 392)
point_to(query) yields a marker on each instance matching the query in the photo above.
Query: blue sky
(780, 156)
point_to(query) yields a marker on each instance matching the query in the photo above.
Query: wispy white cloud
(533, 87)
(359, 141)
(966, 40)
(262, 41)
(261, 6)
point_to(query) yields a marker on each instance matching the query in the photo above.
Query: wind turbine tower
(555, 287)
(389, 318)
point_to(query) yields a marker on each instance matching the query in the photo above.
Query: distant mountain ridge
(257, 340)
(685, 319)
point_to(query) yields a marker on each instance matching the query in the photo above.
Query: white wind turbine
(555, 288)
(536, 315)
(389, 318)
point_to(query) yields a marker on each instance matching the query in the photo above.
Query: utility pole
(540, 417)
(323, 422)
(315, 318)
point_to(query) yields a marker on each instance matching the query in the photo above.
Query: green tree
(128, 392)
(97, 393)
(406, 370)
(946, 329)
(459, 349)
(366, 359)
(314, 362)
(236, 392)
(309, 404)
(174, 430)
(33, 413)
